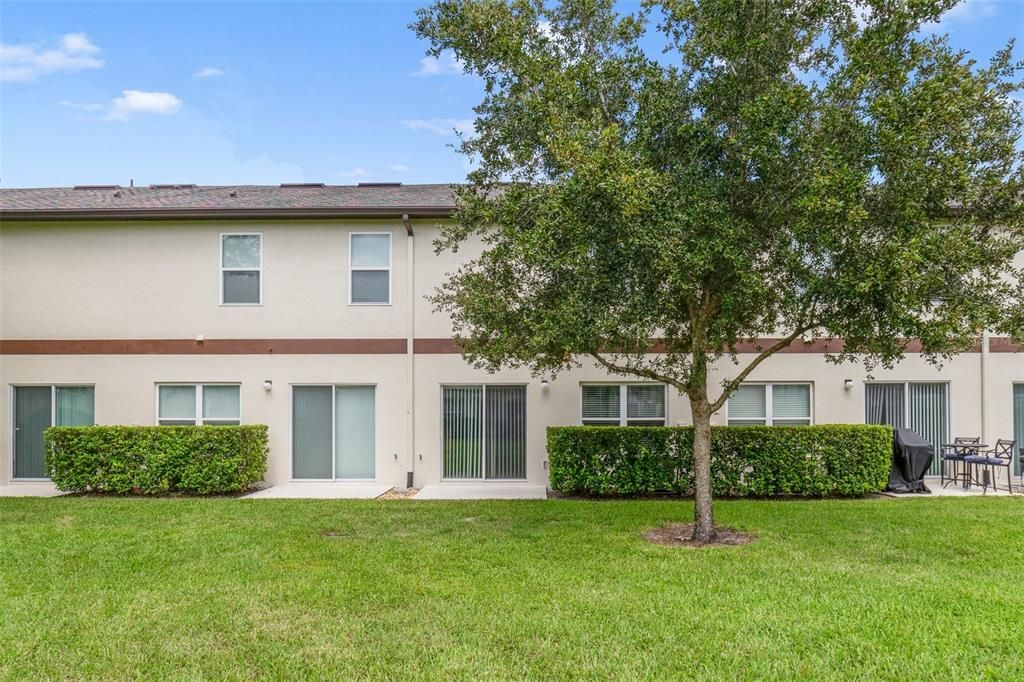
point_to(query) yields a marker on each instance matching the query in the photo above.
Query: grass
(205, 588)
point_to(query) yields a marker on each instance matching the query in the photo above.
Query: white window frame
(483, 429)
(334, 431)
(768, 419)
(363, 268)
(223, 269)
(198, 386)
(53, 415)
(623, 418)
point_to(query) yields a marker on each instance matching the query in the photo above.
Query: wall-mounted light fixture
(267, 384)
(544, 384)
(200, 338)
(848, 384)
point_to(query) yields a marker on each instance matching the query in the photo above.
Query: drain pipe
(984, 371)
(410, 273)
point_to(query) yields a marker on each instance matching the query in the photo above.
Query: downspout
(410, 356)
(984, 371)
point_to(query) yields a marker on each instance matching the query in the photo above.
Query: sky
(227, 92)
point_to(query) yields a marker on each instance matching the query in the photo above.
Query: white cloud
(25, 63)
(354, 173)
(80, 106)
(398, 168)
(208, 72)
(132, 102)
(441, 126)
(446, 64)
(969, 10)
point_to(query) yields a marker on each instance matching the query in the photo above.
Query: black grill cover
(911, 457)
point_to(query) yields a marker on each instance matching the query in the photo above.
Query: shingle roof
(227, 201)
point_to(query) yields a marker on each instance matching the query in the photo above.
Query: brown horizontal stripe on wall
(434, 346)
(1003, 345)
(207, 347)
(440, 346)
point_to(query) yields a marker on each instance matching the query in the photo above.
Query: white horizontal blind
(600, 405)
(645, 405)
(241, 266)
(791, 404)
(177, 405)
(371, 268)
(747, 405)
(220, 405)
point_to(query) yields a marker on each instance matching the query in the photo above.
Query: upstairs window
(369, 260)
(241, 266)
(770, 405)
(195, 404)
(623, 405)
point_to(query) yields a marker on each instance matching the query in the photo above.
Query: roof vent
(379, 184)
(173, 186)
(293, 185)
(97, 186)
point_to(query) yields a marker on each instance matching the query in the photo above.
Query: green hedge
(151, 460)
(760, 461)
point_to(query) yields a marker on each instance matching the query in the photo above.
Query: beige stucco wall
(160, 280)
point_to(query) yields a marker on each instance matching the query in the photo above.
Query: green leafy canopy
(701, 172)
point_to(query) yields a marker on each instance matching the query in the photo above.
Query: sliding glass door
(484, 432)
(922, 407)
(1018, 426)
(334, 432)
(36, 408)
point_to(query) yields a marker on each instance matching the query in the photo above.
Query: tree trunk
(703, 516)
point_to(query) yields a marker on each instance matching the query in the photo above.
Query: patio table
(967, 449)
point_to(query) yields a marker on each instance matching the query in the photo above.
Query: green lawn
(190, 588)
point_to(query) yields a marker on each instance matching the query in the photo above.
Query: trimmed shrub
(760, 461)
(151, 460)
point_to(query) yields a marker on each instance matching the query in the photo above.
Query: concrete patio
(322, 490)
(29, 489)
(482, 491)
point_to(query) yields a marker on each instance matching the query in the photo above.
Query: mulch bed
(679, 535)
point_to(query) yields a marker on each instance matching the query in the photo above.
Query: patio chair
(999, 456)
(955, 457)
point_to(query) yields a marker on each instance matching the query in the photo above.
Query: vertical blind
(484, 431)
(311, 432)
(354, 431)
(463, 431)
(1018, 424)
(927, 417)
(883, 404)
(505, 447)
(75, 406)
(920, 407)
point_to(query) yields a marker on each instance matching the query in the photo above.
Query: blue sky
(257, 92)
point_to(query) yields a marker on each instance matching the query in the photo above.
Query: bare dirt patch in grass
(680, 535)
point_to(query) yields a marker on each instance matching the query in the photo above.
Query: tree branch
(765, 354)
(638, 371)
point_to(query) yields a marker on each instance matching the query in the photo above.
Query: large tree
(702, 173)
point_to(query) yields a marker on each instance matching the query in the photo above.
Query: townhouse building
(304, 307)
